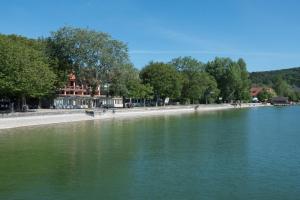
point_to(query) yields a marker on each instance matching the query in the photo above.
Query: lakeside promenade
(47, 116)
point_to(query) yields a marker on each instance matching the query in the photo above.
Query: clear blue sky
(266, 33)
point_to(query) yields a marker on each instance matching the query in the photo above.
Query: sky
(265, 33)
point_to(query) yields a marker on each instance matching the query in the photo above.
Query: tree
(197, 84)
(88, 78)
(24, 70)
(291, 76)
(164, 79)
(120, 80)
(211, 92)
(232, 78)
(85, 50)
(187, 64)
(126, 82)
(145, 92)
(281, 87)
(138, 90)
(238, 81)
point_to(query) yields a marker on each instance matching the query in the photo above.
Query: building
(280, 101)
(254, 92)
(76, 96)
(72, 88)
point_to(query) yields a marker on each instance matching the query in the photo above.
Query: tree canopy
(24, 70)
(163, 78)
(291, 76)
(88, 48)
(38, 67)
(196, 83)
(94, 56)
(232, 78)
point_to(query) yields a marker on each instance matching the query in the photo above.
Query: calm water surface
(241, 154)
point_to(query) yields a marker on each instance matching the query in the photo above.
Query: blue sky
(266, 33)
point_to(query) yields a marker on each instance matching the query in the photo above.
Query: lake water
(238, 154)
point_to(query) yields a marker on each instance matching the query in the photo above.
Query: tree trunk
(123, 97)
(24, 106)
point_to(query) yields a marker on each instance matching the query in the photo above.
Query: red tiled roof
(255, 91)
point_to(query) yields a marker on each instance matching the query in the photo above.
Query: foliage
(291, 76)
(197, 84)
(120, 80)
(187, 64)
(88, 78)
(24, 69)
(93, 55)
(282, 88)
(286, 82)
(37, 67)
(164, 79)
(138, 90)
(232, 78)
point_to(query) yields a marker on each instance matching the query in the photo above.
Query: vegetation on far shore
(286, 82)
(37, 68)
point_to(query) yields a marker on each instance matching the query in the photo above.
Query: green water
(240, 154)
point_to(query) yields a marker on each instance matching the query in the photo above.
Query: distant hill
(292, 76)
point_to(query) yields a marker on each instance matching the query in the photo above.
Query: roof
(255, 91)
(280, 99)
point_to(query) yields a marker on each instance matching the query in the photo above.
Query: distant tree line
(285, 82)
(37, 68)
(188, 80)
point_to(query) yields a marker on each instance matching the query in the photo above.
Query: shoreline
(45, 117)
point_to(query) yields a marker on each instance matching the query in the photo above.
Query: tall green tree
(121, 80)
(138, 90)
(126, 82)
(81, 49)
(24, 70)
(282, 88)
(197, 84)
(232, 78)
(164, 79)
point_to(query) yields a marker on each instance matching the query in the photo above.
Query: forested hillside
(291, 76)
